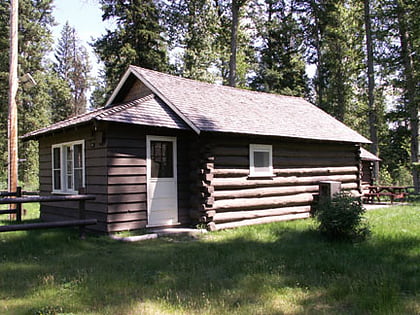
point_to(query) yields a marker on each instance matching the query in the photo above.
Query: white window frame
(266, 148)
(63, 167)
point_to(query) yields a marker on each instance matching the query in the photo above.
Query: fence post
(19, 205)
(82, 215)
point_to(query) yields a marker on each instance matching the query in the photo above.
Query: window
(162, 165)
(261, 160)
(68, 167)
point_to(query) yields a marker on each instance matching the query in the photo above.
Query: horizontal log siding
(95, 169)
(298, 168)
(127, 182)
(126, 178)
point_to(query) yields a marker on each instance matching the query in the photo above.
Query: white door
(162, 197)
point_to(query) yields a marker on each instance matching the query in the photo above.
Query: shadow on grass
(222, 273)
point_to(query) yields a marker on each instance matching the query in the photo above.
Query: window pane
(69, 168)
(78, 183)
(77, 155)
(261, 162)
(69, 153)
(57, 179)
(69, 181)
(56, 169)
(56, 158)
(161, 159)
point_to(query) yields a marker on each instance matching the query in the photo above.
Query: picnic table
(391, 192)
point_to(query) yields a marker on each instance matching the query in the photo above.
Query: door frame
(149, 139)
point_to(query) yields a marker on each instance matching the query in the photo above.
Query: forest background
(365, 54)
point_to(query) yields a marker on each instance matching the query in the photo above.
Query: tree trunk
(233, 42)
(373, 119)
(410, 88)
(319, 83)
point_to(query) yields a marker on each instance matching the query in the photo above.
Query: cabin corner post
(359, 169)
(205, 186)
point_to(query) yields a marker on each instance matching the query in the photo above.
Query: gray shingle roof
(181, 103)
(212, 107)
(367, 156)
(146, 111)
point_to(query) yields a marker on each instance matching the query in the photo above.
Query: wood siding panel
(95, 171)
(135, 91)
(127, 182)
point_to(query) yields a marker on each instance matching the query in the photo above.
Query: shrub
(341, 218)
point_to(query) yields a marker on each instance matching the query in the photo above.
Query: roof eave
(41, 133)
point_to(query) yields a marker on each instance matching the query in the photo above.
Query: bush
(342, 218)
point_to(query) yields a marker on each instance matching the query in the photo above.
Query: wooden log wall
(237, 199)
(95, 169)
(203, 199)
(127, 176)
(366, 175)
(115, 157)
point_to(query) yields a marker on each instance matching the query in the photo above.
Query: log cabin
(170, 151)
(368, 164)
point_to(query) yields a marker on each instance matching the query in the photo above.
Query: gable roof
(211, 107)
(146, 111)
(183, 103)
(368, 156)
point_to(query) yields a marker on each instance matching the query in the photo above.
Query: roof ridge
(227, 87)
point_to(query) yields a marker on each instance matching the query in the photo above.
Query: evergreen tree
(373, 114)
(72, 66)
(215, 39)
(191, 26)
(398, 34)
(137, 38)
(234, 41)
(35, 20)
(100, 92)
(281, 66)
(334, 36)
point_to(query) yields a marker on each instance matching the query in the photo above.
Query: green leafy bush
(341, 218)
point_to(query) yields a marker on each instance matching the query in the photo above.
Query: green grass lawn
(280, 268)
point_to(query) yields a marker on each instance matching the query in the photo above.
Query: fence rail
(20, 200)
(16, 198)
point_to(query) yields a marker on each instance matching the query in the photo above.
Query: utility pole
(13, 87)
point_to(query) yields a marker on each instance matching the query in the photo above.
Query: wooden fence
(17, 199)
(17, 210)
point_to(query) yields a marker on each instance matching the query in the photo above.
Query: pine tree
(373, 112)
(234, 42)
(281, 65)
(191, 26)
(137, 38)
(72, 66)
(334, 38)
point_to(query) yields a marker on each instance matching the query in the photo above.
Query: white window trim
(260, 148)
(63, 167)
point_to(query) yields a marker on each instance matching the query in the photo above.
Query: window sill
(261, 176)
(162, 226)
(64, 193)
